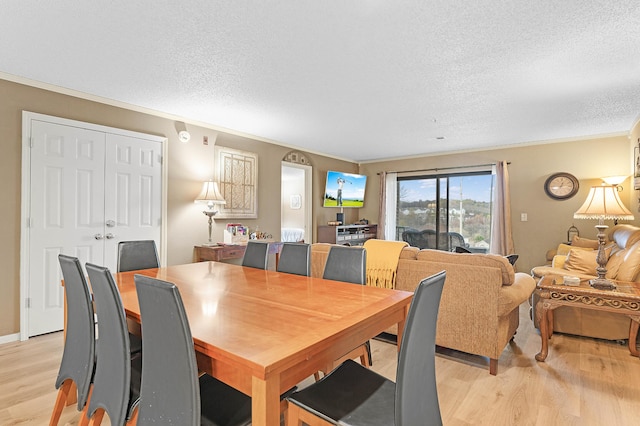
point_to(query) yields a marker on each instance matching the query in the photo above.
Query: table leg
(401, 328)
(549, 323)
(265, 401)
(543, 311)
(633, 335)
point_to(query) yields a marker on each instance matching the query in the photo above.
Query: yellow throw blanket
(382, 262)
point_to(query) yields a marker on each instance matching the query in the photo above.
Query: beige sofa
(479, 306)
(623, 248)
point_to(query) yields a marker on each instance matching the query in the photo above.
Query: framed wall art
(237, 176)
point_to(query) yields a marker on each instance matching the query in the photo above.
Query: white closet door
(67, 213)
(88, 187)
(134, 190)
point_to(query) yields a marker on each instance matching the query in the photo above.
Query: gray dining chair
(116, 382)
(78, 356)
(349, 264)
(136, 255)
(171, 391)
(357, 396)
(256, 254)
(295, 258)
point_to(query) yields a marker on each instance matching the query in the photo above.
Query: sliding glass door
(445, 211)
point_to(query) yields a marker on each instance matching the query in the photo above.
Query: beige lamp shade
(210, 194)
(603, 203)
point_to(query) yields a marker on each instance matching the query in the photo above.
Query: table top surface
(625, 289)
(263, 319)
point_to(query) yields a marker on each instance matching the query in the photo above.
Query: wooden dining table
(262, 331)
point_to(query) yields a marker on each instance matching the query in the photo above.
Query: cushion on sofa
(476, 259)
(625, 235)
(630, 265)
(584, 242)
(409, 252)
(581, 261)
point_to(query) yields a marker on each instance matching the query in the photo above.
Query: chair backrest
(78, 357)
(348, 264)
(170, 392)
(512, 258)
(416, 393)
(295, 258)
(256, 254)
(450, 240)
(112, 378)
(135, 255)
(425, 239)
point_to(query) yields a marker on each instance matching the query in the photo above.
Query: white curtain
(501, 235)
(387, 206)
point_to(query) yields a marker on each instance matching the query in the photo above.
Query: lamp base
(602, 284)
(210, 213)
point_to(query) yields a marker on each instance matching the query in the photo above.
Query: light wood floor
(583, 382)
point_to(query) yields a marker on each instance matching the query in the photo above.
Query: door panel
(67, 206)
(88, 189)
(134, 206)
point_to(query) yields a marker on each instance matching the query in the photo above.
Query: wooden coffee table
(624, 300)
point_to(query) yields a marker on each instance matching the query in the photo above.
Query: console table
(354, 235)
(230, 251)
(553, 293)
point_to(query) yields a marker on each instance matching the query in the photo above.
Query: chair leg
(134, 418)
(296, 415)
(370, 357)
(61, 401)
(96, 419)
(365, 357)
(493, 366)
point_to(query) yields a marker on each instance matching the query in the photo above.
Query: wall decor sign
(295, 202)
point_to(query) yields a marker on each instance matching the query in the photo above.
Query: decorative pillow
(563, 249)
(558, 261)
(583, 261)
(584, 242)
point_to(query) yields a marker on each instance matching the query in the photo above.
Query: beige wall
(187, 164)
(548, 220)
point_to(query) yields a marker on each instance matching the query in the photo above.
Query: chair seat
(350, 395)
(223, 405)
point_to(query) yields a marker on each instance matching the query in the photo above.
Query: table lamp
(210, 195)
(602, 203)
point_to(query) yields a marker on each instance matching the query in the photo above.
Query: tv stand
(354, 235)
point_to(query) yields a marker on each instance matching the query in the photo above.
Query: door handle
(98, 236)
(110, 223)
(110, 236)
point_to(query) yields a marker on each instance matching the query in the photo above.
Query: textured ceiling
(359, 80)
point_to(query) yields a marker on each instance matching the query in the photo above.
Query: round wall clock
(561, 186)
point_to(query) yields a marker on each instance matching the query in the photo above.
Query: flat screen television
(344, 190)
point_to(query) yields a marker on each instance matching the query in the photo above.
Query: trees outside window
(446, 207)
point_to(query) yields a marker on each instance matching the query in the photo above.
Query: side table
(624, 300)
(218, 253)
(230, 251)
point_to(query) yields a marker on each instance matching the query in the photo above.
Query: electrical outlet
(523, 217)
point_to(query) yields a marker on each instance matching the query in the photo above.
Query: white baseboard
(9, 338)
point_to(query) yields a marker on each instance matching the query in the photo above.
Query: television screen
(344, 190)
